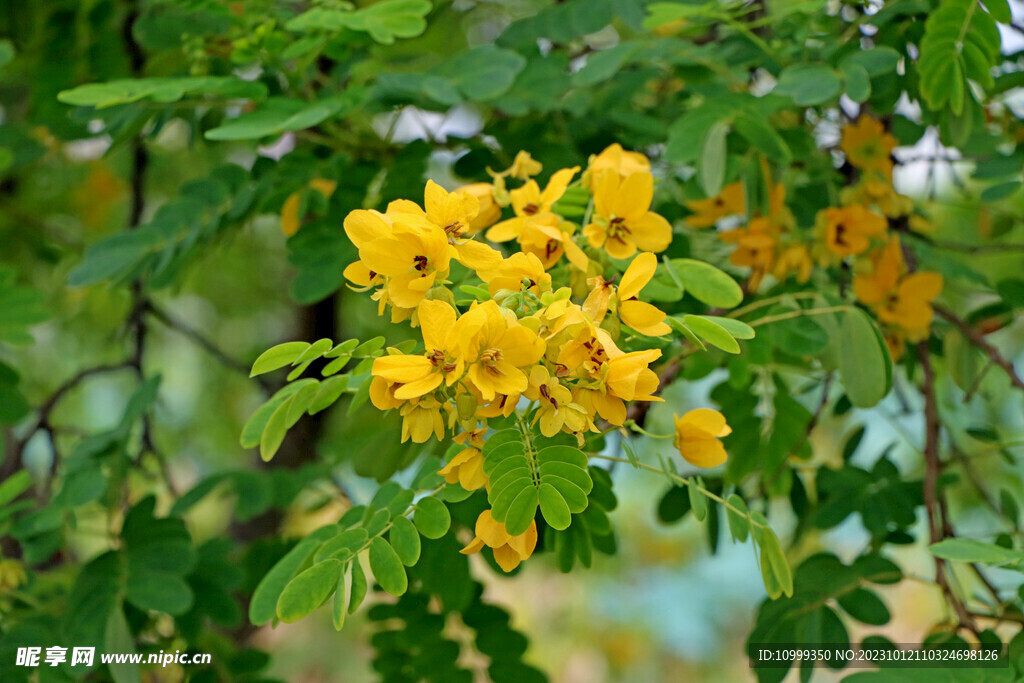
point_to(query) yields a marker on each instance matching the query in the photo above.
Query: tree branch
(978, 339)
(204, 343)
(933, 502)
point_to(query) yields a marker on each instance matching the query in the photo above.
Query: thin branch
(978, 339)
(204, 343)
(932, 497)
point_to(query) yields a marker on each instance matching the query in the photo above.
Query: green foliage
(146, 170)
(529, 470)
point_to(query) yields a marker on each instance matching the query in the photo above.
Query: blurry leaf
(972, 550)
(809, 84)
(865, 606)
(711, 164)
(864, 364)
(279, 115)
(698, 501)
(482, 73)
(118, 638)
(162, 90)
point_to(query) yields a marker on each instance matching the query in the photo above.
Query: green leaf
(736, 515)
(712, 332)
(809, 84)
(737, 328)
(115, 255)
(274, 432)
(972, 550)
(865, 606)
(117, 637)
(712, 161)
(263, 606)
(387, 567)
(14, 485)
(405, 540)
(160, 591)
(707, 284)
(432, 517)
(279, 115)
(554, 508)
(344, 546)
(308, 590)
(698, 501)
(877, 61)
(162, 90)
(773, 557)
(763, 137)
(858, 83)
(522, 511)
(277, 357)
(341, 593)
(863, 359)
(358, 592)
(482, 73)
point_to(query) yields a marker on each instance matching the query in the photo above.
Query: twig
(204, 343)
(978, 339)
(932, 503)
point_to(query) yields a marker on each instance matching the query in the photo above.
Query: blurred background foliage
(147, 150)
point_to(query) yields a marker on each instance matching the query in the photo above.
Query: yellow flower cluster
(543, 337)
(857, 229)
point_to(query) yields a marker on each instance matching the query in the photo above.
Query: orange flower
(868, 146)
(849, 229)
(707, 212)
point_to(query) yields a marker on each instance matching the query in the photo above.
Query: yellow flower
(510, 273)
(444, 359)
(500, 349)
(909, 306)
(599, 402)
(556, 407)
(466, 469)
(849, 229)
(641, 316)
(697, 434)
(489, 210)
(524, 166)
(887, 265)
(411, 253)
(755, 247)
(509, 551)
(12, 574)
(530, 202)
(623, 221)
(868, 146)
(290, 219)
(614, 158)
(879, 192)
(707, 212)
(547, 237)
(422, 419)
(453, 213)
(795, 258)
(630, 379)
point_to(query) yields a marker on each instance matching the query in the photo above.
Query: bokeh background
(666, 608)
